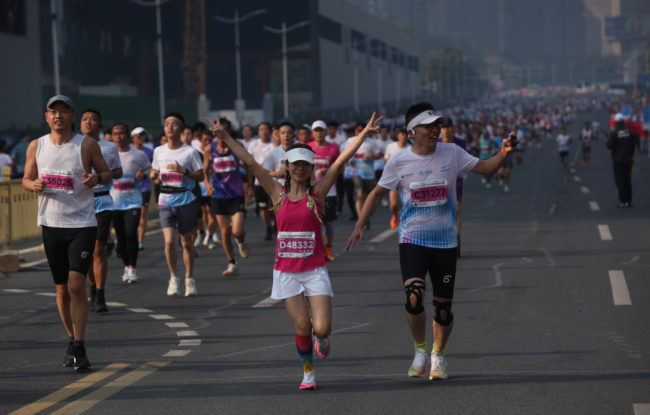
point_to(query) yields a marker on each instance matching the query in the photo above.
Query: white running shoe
(420, 360)
(322, 346)
(384, 202)
(438, 367)
(488, 185)
(133, 276)
(233, 269)
(125, 277)
(197, 240)
(190, 287)
(215, 238)
(173, 286)
(206, 239)
(211, 244)
(483, 180)
(506, 188)
(309, 381)
(244, 249)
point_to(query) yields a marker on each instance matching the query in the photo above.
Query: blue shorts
(184, 216)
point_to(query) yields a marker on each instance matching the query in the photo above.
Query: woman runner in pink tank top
(299, 270)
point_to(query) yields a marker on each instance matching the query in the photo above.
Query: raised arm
(271, 187)
(325, 184)
(494, 163)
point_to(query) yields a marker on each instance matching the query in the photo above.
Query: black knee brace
(443, 307)
(414, 289)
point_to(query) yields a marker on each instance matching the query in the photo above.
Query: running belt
(99, 194)
(172, 189)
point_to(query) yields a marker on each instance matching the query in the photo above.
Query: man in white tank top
(59, 167)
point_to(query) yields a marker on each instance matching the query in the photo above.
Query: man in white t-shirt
(392, 149)
(425, 175)
(563, 140)
(275, 161)
(363, 170)
(260, 149)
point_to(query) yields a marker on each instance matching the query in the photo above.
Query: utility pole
(55, 49)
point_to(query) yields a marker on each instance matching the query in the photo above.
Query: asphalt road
(537, 329)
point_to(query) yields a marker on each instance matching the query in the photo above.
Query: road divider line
(83, 404)
(161, 317)
(605, 234)
(187, 333)
(71, 389)
(584, 189)
(267, 302)
(619, 288)
(594, 206)
(177, 325)
(190, 342)
(176, 353)
(114, 304)
(47, 294)
(15, 290)
(642, 409)
(140, 310)
(385, 234)
(576, 178)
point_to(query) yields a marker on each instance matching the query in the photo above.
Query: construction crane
(193, 65)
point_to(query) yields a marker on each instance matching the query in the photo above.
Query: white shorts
(312, 282)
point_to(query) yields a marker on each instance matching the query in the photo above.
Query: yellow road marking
(70, 390)
(110, 389)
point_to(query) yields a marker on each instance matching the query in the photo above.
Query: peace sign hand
(216, 128)
(372, 127)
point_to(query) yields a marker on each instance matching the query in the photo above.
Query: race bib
(58, 181)
(431, 193)
(296, 244)
(124, 185)
(171, 178)
(224, 164)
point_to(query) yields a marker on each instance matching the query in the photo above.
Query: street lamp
(285, 83)
(161, 80)
(240, 105)
(55, 49)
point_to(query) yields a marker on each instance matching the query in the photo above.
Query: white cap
(426, 117)
(138, 130)
(300, 154)
(319, 124)
(619, 117)
(60, 98)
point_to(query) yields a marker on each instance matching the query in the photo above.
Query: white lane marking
(584, 189)
(642, 409)
(47, 294)
(33, 263)
(497, 278)
(267, 302)
(605, 234)
(186, 333)
(631, 261)
(573, 170)
(14, 290)
(140, 310)
(193, 342)
(619, 288)
(176, 353)
(552, 209)
(28, 250)
(114, 304)
(594, 205)
(385, 234)
(161, 317)
(576, 178)
(177, 325)
(153, 233)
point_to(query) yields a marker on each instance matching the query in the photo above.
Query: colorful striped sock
(306, 352)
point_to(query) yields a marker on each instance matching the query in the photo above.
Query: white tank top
(65, 202)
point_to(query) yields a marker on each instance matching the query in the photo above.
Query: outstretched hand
(357, 234)
(373, 126)
(510, 144)
(216, 128)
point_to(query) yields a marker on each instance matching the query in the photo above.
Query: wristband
(505, 153)
(99, 178)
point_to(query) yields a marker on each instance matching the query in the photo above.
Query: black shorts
(104, 225)
(564, 154)
(227, 206)
(69, 249)
(205, 200)
(415, 261)
(367, 185)
(330, 209)
(459, 192)
(146, 198)
(378, 174)
(263, 200)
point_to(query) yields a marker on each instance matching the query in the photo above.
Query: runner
(275, 161)
(585, 138)
(127, 199)
(177, 167)
(428, 227)
(90, 126)
(247, 134)
(326, 155)
(448, 137)
(260, 149)
(337, 138)
(622, 142)
(402, 143)
(304, 134)
(563, 140)
(58, 168)
(209, 220)
(485, 146)
(504, 172)
(139, 136)
(226, 191)
(300, 269)
(188, 138)
(381, 143)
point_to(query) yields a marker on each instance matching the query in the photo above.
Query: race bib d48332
(296, 244)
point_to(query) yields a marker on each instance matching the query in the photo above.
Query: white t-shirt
(429, 220)
(5, 160)
(337, 140)
(563, 142)
(260, 150)
(245, 143)
(196, 143)
(189, 158)
(381, 149)
(363, 168)
(586, 137)
(392, 149)
(274, 160)
(112, 157)
(126, 190)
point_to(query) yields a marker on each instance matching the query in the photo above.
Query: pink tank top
(299, 244)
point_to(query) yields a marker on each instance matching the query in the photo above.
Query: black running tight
(126, 224)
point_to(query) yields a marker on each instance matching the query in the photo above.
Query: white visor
(300, 154)
(424, 118)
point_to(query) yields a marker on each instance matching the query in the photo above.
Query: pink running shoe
(323, 347)
(309, 381)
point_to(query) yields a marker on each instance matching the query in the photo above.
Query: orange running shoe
(393, 222)
(330, 255)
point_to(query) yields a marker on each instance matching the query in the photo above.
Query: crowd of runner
(204, 177)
